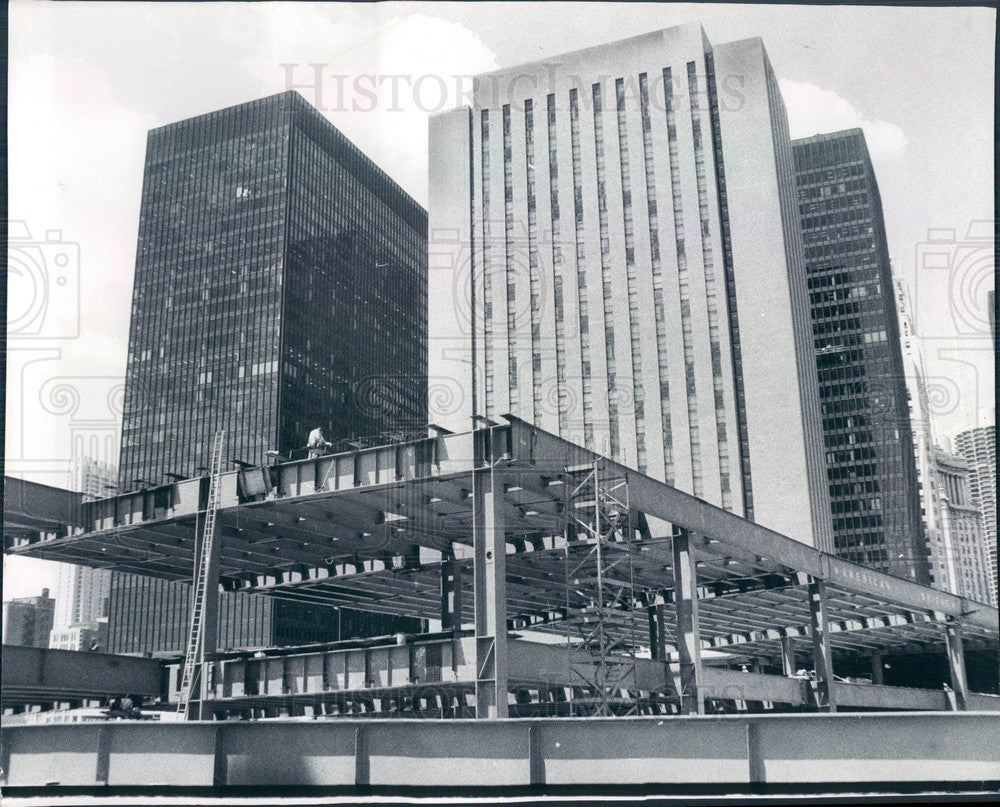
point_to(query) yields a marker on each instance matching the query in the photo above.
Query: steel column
(657, 633)
(877, 669)
(490, 589)
(688, 634)
(956, 662)
(822, 659)
(451, 594)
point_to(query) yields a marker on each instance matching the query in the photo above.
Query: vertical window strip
(487, 269)
(534, 283)
(683, 286)
(602, 219)
(711, 304)
(581, 272)
(657, 272)
(557, 272)
(510, 265)
(730, 284)
(631, 278)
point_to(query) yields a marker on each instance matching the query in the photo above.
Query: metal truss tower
(602, 632)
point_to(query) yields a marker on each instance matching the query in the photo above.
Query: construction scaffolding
(601, 630)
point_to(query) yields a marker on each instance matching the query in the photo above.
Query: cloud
(85, 185)
(366, 84)
(814, 110)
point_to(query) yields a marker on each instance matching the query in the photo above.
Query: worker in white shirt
(317, 443)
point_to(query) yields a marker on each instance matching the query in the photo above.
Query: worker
(317, 443)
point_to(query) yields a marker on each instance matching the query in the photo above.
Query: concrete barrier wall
(737, 750)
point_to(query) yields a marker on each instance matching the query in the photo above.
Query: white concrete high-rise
(627, 216)
(979, 448)
(962, 524)
(81, 592)
(941, 555)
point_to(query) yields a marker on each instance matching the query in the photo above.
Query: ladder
(194, 658)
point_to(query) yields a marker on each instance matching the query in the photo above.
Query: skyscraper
(82, 593)
(941, 557)
(979, 448)
(963, 528)
(873, 497)
(280, 285)
(628, 214)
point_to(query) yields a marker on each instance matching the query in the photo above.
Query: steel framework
(602, 656)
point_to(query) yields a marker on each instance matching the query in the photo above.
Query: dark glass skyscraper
(280, 284)
(870, 464)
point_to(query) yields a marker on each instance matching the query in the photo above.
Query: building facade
(27, 621)
(82, 593)
(95, 479)
(963, 528)
(978, 447)
(874, 501)
(626, 214)
(280, 285)
(932, 508)
(92, 638)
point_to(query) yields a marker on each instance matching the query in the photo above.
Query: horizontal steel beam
(742, 753)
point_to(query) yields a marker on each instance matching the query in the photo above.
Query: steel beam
(490, 592)
(744, 539)
(688, 635)
(822, 659)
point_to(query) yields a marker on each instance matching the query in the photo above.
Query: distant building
(979, 448)
(631, 229)
(93, 478)
(81, 597)
(932, 508)
(870, 464)
(963, 529)
(81, 637)
(27, 621)
(82, 593)
(280, 285)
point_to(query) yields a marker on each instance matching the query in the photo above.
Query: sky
(88, 80)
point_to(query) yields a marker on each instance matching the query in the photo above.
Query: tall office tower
(82, 593)
(932, 507)
(27, 621)
(963, 525)
(873, 499)
(280, 285)
(979, 448)
(628, 214)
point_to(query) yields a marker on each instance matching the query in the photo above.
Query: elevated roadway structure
(654, 601)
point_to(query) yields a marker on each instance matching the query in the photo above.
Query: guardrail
(785, 750)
